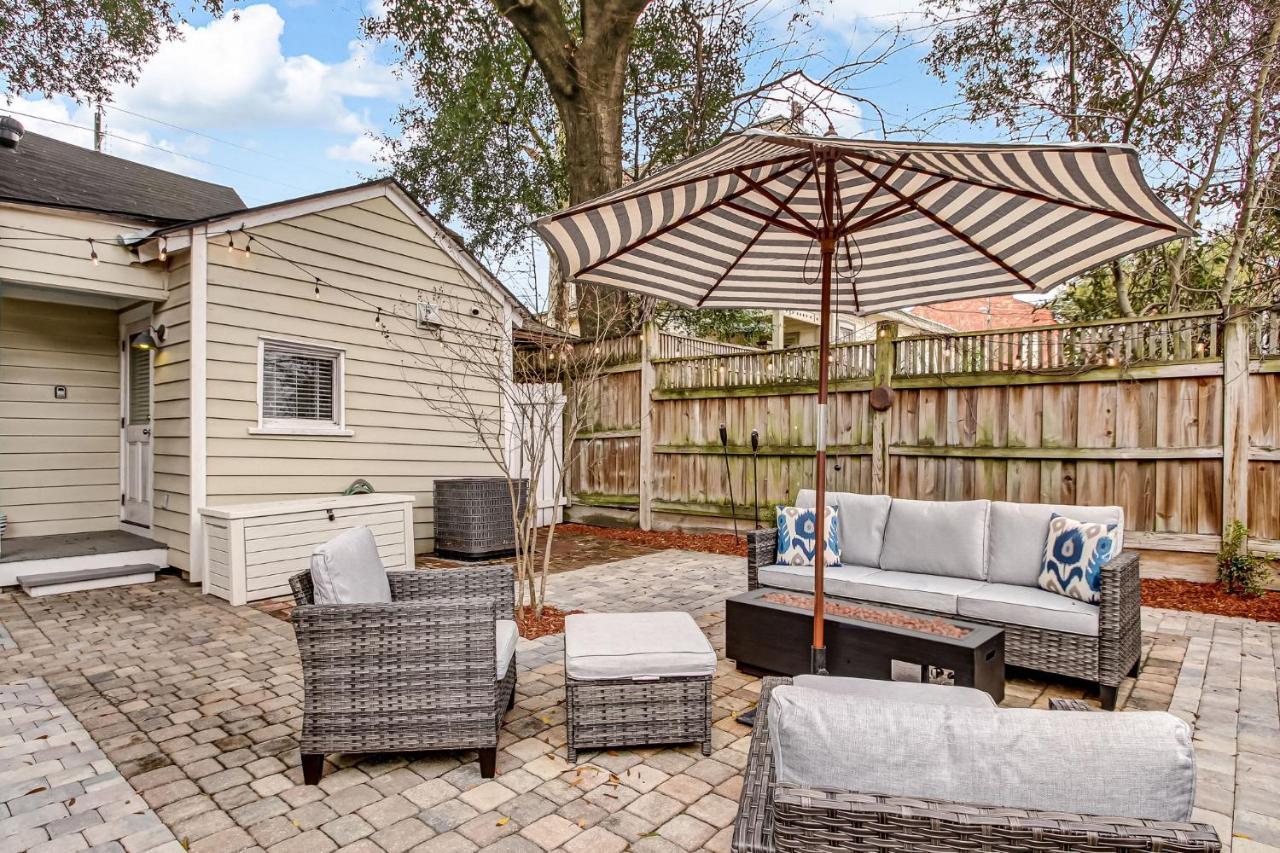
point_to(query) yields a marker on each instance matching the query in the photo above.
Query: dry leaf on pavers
(185, 842)
(614, 780)
(503, 821)
(71, 802)
(36, 790)
(582, 823)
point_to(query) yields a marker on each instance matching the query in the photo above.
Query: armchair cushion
(507, 634)
(348, 570)
(1136, 765)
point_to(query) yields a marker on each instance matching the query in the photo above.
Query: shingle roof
(47, 171)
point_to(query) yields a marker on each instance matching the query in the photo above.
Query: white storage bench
(253, 549)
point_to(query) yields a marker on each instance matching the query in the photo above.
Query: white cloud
(233, 73)
(821, 106)
(365, 149)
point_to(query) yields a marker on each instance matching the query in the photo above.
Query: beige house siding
(66, 264)
(172, 428)
(401, 440)
(59, 459)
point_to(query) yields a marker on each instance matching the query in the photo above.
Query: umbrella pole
(818, 654)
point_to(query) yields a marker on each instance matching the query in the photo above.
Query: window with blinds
(139, 386)
(301, 386)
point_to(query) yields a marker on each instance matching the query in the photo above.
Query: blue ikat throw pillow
(796, 528)
(1074, 555)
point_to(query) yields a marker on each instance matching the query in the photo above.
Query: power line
(210, 137)
(160, 149)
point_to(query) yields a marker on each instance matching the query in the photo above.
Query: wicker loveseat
(978, 561)
(773, 817)
(433, 670)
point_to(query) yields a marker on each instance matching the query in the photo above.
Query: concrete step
(75, 580)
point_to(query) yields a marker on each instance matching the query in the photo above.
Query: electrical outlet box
(59, 392)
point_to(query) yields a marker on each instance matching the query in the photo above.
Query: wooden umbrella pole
(818, 655)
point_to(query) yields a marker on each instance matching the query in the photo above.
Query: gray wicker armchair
(1104, 659)
(414, 675)
(791, 820)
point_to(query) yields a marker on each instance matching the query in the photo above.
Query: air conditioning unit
(429, 317)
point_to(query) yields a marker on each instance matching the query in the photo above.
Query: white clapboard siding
(254, 548)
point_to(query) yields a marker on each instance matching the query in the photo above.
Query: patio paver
(197, 705)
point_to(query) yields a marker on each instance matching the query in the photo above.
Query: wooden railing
(1173, 338)
(797, 366)
(1264, 333)
(683, 346)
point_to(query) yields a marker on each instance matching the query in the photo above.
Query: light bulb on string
(164, 248)
(317, 287)
(93, 253)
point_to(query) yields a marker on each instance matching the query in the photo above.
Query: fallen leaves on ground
(550, 622)
(1209, 598)
(711, 543)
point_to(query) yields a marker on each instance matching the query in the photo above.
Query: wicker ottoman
(635, 679)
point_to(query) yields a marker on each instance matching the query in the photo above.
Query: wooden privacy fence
(1175, 418)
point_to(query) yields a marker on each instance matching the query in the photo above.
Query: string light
(231, 244)
(93, 252)
(164, 248)
(317, 287)
(248, 245)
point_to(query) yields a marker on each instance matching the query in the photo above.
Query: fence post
(648, 376)
(882, 374)
(1235, 418)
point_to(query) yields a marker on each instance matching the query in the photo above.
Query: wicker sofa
(978, 561)
(773, 817)
(433, 670)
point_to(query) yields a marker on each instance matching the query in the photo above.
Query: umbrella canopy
(772, 220)
(735, 226)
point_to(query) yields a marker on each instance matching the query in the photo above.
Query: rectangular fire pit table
(773, 638)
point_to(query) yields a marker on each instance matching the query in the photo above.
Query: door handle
(146, 430)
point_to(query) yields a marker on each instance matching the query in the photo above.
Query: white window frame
(280, 426)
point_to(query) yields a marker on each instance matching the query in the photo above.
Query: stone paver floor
(197, 705)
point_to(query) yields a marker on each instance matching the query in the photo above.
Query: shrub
(1240, 572)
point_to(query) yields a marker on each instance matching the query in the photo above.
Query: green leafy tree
(1189, 82)
(522, 108)
(83, 48)
(734, 325)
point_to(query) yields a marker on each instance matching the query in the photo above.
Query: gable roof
(248, 217)
(49, 172)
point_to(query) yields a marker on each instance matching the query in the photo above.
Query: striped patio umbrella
(773, 220)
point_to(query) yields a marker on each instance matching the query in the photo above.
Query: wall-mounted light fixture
(148, 339)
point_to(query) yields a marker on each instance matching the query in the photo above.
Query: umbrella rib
(892, 210)
(955, 232)
(747, 248)
(875, 188)
(770, 219)
(781, 203)
(791, 160)
(691, 215)
(1031, 194)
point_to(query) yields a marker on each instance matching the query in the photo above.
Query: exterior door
(136, 448)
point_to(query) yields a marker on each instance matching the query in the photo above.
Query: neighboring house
(990, 312)
(800, 328)
(273, 378)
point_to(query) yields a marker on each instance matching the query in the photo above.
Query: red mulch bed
(712, 543)
(551, 621)
(929, 625)
(1209, 598)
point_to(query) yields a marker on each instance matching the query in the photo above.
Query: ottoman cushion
(639, 646)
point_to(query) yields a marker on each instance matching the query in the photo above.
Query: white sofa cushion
(640, 646)
(1030, 606)
(862, 523)
(898, 691)
(908, 589)
(506, 635)
(947, 538)
(836, 579)
(348, 570)
(1019, 532)
(1138, 764)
